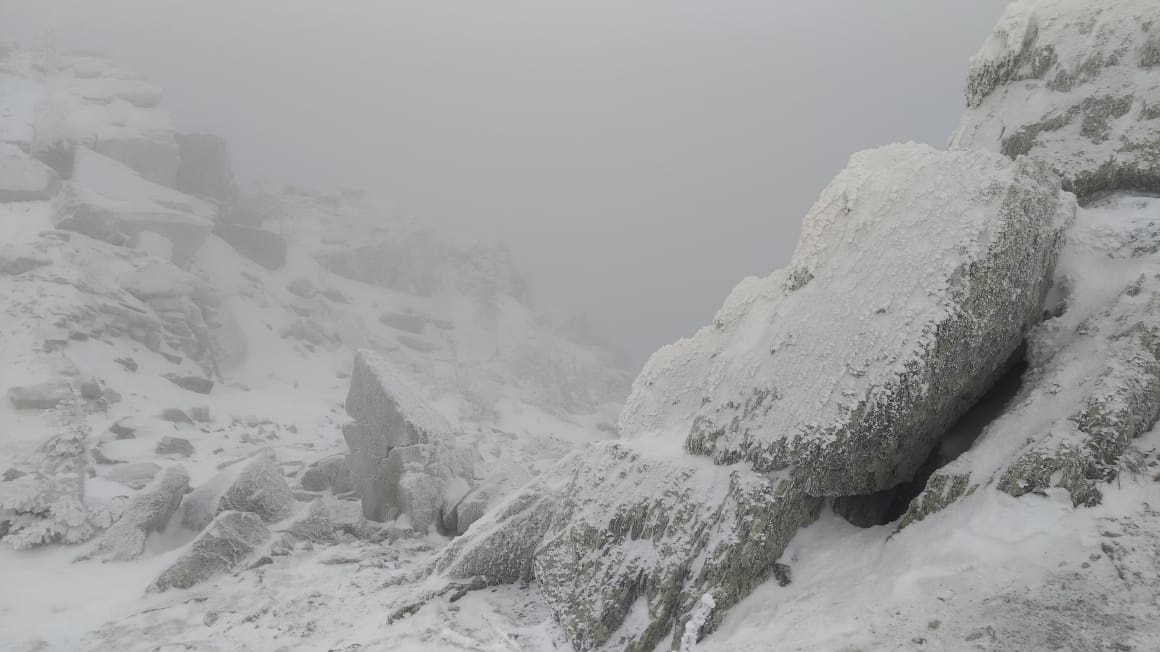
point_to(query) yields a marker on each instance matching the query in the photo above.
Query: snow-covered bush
(48, 504)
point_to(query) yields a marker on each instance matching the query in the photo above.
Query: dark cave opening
(888, 506)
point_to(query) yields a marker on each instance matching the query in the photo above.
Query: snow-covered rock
(1075, 83)
(328, 474)
(148, 512)
(256, 486)
(404, 458)
(810, 369)
(136, 475)
(43, 396)
(23, 178)
(228, 541)
(108, 201)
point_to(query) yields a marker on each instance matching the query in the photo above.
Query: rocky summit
(239, 418)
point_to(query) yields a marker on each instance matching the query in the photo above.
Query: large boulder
(23, 178)
(266, 248)
(850, 388)
(44, 396)
(205, 168)
(229, 540)
(404, 458)
(1075, 83)
(256, 486)
(918, 275)
(110, 202)
(148, 512)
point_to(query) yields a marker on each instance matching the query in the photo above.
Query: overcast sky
(640, 157)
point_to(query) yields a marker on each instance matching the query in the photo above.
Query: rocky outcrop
(807, 385)
(1074, 84)
(228, 541)
(148, 512)
(205, 169)
(256, 486)
(108, 201)
(403, 455)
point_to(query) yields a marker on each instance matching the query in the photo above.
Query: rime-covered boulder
(404, 458)
(328, 474)
(498, 547)
(229, 540)
(1075, 83)
(108, 201)
(918, 274)
(256, 486)
(148, 512)
(23, 178)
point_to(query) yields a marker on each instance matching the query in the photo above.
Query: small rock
(90, 390)
(934, 624)
(100, 458)
(174, 446)
(12, 474)
(135, 476)
(128, 363)
(122, 431)
(335, 295)
(110, 396)
(302, 287)
(781, 572)
(176, 415)
(44, 396)
(191, 383)
(200, 414)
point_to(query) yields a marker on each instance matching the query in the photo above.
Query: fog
(639, 157)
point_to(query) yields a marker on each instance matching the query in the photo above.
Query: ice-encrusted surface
(1075, 83)
(917, 273)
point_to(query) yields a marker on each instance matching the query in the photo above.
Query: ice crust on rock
(148, 512)
(229, 540)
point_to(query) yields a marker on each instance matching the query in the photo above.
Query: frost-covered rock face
(149, 512)
(256, 486)
(228, 541)
(638, 540)
(403, 454)
(1096, 383)
(266, 248)
(917, 275)
(1075, 83)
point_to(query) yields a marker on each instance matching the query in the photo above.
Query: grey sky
(640, 157)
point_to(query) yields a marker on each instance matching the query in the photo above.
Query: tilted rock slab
(229, 540)
(918, 274)
(148, 512)
(1075, 83)
(403, 454)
